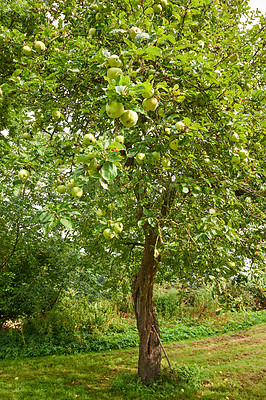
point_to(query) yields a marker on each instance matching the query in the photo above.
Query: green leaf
(66, 223)
(116, 146)
(84, 159)
(108, 171)
(149, 11)
(152, 222)
(154, 51)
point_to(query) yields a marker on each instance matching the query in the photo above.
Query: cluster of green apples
(174, 140)
(240, 154)
(89, 139)
(114, 109)
(141, 158)
(99, 10)
(56, 115)
(113, 227)
(38, 45)
(75, 191)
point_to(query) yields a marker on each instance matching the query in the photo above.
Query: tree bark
(149, 364)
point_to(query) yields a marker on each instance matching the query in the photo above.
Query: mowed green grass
(235, 362)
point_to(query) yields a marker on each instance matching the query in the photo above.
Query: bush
(74, 315)
(167, 302)
(178, 302)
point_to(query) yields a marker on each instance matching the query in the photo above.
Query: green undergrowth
(185, 380)
(15, 343)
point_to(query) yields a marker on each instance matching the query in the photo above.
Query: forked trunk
(149, 346)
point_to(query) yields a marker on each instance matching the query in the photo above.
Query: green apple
(39, 46)
(23, 174)
(56, 114)
(76, 192)
(100, 213)
(148, 93)
(233, 57)
(118, 227)
(164, 3)
(243, 154)
(201, 43)
(174, 144)
(157, 8)
(180, 126)
(140, 158)
(107, 233)
(134, 31)
(235, 160)
(129, 118)
(113, 73)
(114, 61)
(232, 264)
(257, 146)
(61, 189)
(70, 184)
(59, 162)
(111, 206)
(120, 139)
(26, 50)
(167, 131)
(88, 139)
(26, 135)
(234, 137)
(150, 104)
(166, 163)
(156, 155)
(92, 32)
(114, 109)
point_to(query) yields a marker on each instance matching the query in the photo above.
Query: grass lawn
(235, 362)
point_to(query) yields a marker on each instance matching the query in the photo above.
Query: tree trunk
(142, 289)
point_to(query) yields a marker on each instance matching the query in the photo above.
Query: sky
(260, 4)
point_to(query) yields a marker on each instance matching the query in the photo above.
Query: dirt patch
(251, 377)
(237, 346)
(245, 337)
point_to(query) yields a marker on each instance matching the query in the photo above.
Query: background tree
(175, 162)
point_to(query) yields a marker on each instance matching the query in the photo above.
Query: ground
(235, 363)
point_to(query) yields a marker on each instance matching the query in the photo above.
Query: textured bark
(142, 289)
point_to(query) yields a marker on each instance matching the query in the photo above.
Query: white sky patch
(258, 4)
(5, 132)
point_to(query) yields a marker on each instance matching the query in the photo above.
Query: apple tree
(150, 114)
